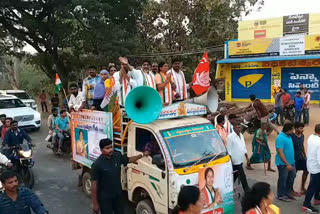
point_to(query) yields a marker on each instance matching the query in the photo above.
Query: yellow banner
(312, 44)
(251, 48)
(263, 28)
(314, 23)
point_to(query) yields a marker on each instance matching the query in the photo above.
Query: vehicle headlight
(25, 154)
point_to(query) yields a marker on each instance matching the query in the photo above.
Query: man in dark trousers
(106, 179)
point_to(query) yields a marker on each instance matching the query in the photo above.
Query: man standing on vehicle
(155, 68)
(237, 149)
(89, 83)
(62, 125)
(17, 199)
(179, 80)
(43, 101)
(106, 179)
(76, 98)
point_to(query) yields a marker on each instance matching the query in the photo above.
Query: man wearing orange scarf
(179, 80)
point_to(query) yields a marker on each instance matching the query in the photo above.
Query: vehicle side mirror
(158, 160)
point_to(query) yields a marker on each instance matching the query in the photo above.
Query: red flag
(201, 78)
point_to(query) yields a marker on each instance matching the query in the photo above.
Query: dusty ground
(271, 177)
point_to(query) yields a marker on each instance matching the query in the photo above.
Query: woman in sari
(260, 149)
(259, 200)
(165, 84)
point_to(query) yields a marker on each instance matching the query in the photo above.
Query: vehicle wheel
(145, 207)
(27, 178)
(87, 185)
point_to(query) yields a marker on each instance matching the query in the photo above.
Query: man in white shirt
(143, 76)
(125, 80)
(179, 80)
(237, 150)
(5, 161)
(306, 106)
(313, 166)
(76, 99)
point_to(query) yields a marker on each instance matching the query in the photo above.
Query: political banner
(87, 129)
(216, 187)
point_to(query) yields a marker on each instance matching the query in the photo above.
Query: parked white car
(13, 107)
(23, 96)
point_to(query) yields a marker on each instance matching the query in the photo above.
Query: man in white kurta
(179, 80)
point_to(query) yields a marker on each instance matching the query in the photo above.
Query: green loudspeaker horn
(143, 104)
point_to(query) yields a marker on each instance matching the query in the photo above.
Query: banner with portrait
(216, 187)
(87, 129)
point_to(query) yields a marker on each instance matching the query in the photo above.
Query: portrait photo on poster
(217, 195)
(81, 139)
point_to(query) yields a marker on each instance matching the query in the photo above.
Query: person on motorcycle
(62, 125)
(14, 137)
(261, 111)
(5, 161)
(2, 122)
(6, 126)
(52, 125)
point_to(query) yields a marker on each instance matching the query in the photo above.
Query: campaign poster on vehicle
(87, 129)
(216, 187)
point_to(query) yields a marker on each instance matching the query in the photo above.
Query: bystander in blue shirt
(284, 142)
(299, 101)
(26, 200)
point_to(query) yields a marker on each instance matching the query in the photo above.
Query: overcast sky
(276, 8)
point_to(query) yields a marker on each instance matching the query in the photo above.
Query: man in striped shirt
(16, 199)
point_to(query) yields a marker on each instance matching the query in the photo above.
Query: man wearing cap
(99, 90)
(106, 178)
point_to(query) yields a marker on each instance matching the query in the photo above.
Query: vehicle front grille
(24, 118)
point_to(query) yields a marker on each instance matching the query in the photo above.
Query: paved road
(56, 182)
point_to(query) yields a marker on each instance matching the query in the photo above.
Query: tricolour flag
(201, 78)
(58, 84)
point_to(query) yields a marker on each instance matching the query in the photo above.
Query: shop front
(259, 76)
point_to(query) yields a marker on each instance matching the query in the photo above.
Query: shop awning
(263, 59)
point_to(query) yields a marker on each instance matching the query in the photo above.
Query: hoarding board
(87, 129)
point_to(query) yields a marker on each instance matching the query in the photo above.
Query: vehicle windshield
(20, 95)
(11, 103)
(193, 143)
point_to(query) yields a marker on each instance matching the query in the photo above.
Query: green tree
(69, 34)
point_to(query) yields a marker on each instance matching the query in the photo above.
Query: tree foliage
(67, 34)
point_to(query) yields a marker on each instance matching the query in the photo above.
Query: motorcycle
(250, 126)
(66, 145)
(288, 112)
(21, 158)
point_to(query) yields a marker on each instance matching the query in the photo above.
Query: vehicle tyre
(145, 207)
(87, 185)
(27, 177)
